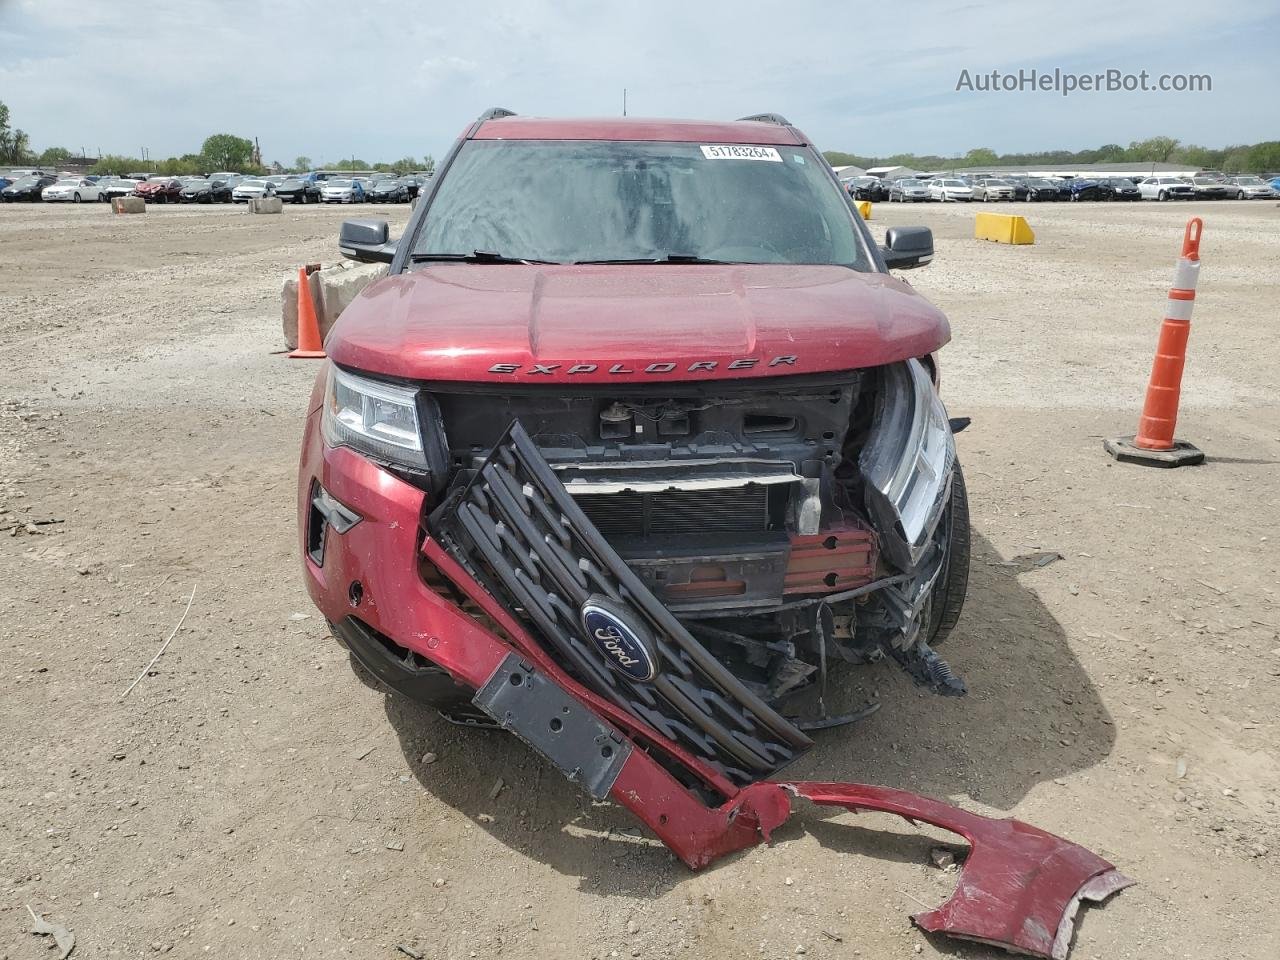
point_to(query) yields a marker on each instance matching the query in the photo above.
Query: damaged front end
(770, 529)
(639, 584)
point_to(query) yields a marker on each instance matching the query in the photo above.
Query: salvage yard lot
(251, 799)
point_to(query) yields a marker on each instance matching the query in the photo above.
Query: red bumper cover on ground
(1019, 889)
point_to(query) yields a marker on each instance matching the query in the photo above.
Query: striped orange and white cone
(1154, 442)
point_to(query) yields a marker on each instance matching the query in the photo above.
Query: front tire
(949, 592)
(76, 198)
(1162, 195)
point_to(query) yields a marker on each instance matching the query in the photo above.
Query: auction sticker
(738, 151)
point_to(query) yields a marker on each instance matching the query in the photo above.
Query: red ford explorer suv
(635, 447)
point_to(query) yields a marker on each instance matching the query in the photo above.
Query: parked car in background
(1275, 184)
(366, 184)
(4, 182)
(113, 187)
(1166, 188)
(27, 188)
(1035, 190)
(950, 188)
(867, 188)
(298, 190)
(1078, 188)
(908, 190)
(252, 188)
(992, 188)
(1252, 188)
(159, 190)
(342, 190)
(1211, 188)
(140, 176)
(202, 190)
(73, 190)
(1122, 188)
(389, 191)
(415, 184)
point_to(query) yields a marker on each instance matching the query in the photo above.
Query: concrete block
(1002, 228)
(266, 205)
(128, 205)
(332, 289)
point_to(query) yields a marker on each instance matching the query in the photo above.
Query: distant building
(893, 173)
(848, 172)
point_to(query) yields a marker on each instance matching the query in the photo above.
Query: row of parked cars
(220, 187)
(1208, 186)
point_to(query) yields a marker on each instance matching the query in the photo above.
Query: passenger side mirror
(366, 240)
(906, 248)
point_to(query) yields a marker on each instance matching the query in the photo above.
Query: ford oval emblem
(627, 648)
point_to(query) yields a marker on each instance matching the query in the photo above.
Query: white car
(1251, 188)
(950, 189)
(342, 191)
(252, 189)
(1166, 188)
(113, 187)
(73, 189)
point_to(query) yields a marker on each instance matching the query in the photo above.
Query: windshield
(953, 183)
(253, 183)
(339, 183)
(572, 201)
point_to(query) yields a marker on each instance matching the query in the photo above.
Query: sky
(382, 80)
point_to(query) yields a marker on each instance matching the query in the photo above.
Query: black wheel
(1162, 195)
(948, 593)
(76, 198)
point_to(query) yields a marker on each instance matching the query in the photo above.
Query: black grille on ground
(742, 509)
(516, 528)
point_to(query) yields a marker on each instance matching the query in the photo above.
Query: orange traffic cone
(309, 343)
(1154, 442)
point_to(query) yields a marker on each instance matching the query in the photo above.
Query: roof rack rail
(495, 113)
(768, 118)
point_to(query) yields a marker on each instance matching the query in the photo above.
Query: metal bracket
(543, 715)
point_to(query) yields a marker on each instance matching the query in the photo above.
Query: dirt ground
(252, 798)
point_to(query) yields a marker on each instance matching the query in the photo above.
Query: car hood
(611, 323)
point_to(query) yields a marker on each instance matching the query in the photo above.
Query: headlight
(375, 418)
(907, 462)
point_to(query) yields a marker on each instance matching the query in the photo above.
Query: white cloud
(328, 78)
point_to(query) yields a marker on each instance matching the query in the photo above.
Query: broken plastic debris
(64, 938)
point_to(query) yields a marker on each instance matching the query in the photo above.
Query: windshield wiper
(475, 256)
(670, 258)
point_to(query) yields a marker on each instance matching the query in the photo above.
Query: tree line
(220, 151)
(1240, 158)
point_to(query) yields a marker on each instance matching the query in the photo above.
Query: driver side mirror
(366, 240)
(906, 248)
